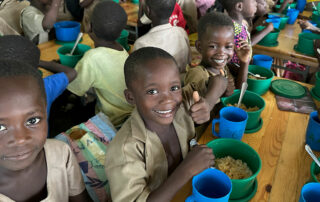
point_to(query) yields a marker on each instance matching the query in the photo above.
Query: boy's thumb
(196, 96)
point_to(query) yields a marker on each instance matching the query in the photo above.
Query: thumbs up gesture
(200, 110)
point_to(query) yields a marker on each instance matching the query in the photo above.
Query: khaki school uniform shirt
(136, 162)
(190, 13)
(64, 177)
(170, 38)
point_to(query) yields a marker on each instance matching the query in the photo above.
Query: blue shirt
(54, 86)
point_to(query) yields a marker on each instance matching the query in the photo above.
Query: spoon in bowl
(75, 44)
(243, 90)
(308, 149)
(257, 75)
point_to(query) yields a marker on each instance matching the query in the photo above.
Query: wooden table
(280, 144)
(132, 12)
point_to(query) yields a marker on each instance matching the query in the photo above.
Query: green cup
(270, 38)
(222, 147)
(250, 99)
(283, 22)
(314, 170)
(316, 17)
(305, 43)
(260, 86)
(123, 39)
(71, 60)
(317, 85)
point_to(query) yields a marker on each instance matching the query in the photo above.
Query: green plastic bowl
(223, 147)
(283, 22)
(317, 85)
(270, 38)
(123, 39)
(135, 1)
(71, 60)
(314, 170)
(305, 43)
(260, 86)
(250, 99)
(292, 5)
(316, 17)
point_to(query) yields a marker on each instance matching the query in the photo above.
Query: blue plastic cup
(300, 5)
(310, 192)
(292, 14)
(263, 61)
(67, 30)
(313, 131)
(211, 185)
(232, 123)
(274, 21)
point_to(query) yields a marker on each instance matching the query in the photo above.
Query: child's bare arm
(284, 5)
(198, 159)
(243, 53)
(86, 3)
(258, 36)
(51, 16)
(83, 197)
(56, 68)
(305, 24)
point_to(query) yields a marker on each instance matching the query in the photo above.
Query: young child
(216, 45)
(101, 68)
(163, 35)
(20, 48)
(262, 10)
(38, 19)
(31, 167)
(239, 11)
(148, 159)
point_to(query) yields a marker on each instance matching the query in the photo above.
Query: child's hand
(199, 158)
(305, 24)
(243, 51)
(269, 26)
(200, 110)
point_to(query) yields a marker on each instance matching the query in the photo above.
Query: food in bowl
(234, 168)
(255, 78)
(244, 107)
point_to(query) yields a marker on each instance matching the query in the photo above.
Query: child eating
(149, 158)
(216, 45)
(239, 11)
(31, 167)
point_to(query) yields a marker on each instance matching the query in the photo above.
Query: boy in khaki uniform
(150, 157)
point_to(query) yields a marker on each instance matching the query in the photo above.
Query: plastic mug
(263, 61)
(232, 123)
(274, 21)
(313, 131)
(310, 192)
(211, 185)
(292, 14)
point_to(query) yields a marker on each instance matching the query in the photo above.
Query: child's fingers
(221, 72)
(196, 97)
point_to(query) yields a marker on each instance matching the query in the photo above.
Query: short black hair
(162, 8)
(12, 68)
(108, 19)
(214, 19)
(19, 48)
(136, 60)
(229, 5)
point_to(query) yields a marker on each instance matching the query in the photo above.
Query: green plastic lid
(287, 88)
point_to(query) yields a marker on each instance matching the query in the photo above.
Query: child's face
(262, 8)
(216, 46)
(23, 122)
(157, 92)
(249, 8)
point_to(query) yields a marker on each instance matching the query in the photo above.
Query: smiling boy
(31, 168)
(150, 158)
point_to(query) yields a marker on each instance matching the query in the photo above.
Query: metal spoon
(75, 44)
(308, 149)
(257, 75)
(243, 90)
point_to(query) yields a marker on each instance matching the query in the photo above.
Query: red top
(177, 19)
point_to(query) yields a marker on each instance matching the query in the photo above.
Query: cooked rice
(235, 169)
(245, 108)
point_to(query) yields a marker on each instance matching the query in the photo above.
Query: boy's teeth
(219, 61)
(164, 112)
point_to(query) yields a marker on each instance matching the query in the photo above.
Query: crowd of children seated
(153, 96)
